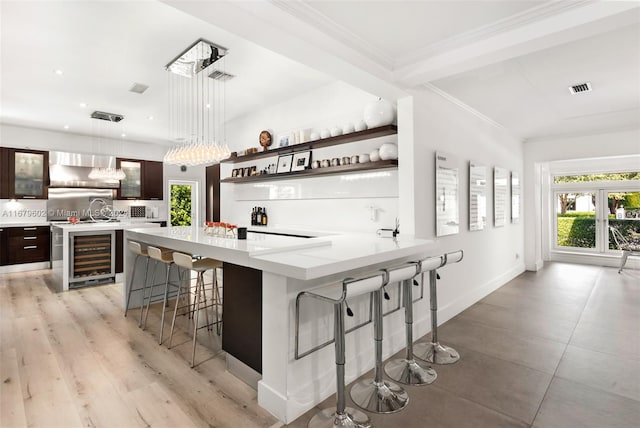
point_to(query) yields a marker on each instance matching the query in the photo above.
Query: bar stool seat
(341, 416)
(200, 298)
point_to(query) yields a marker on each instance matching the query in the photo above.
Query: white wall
(600, 149)
(491, 256)
(41, 139)
(324, 203)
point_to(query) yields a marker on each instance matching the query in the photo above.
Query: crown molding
(306, 13)
(462, 105)
(529, 16)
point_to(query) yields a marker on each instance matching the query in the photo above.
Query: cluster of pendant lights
(196, 106)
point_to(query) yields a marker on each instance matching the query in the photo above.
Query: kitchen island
(284, 266)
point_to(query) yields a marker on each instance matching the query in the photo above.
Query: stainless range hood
(72, 170)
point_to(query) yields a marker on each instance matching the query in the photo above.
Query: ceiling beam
(575, 22)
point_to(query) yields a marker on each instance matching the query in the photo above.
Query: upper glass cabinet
(131, 186)
(28, 174)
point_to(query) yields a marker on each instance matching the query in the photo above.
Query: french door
(583, 216)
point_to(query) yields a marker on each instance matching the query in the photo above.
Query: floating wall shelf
(315, 172)
(325, 142)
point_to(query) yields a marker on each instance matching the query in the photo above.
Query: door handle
(31, 247)
(30, 237)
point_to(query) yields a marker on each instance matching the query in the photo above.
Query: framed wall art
(284, 163)
(515, 197)
(447, 215)
(477, 196)
(500, 190)
(301, 161)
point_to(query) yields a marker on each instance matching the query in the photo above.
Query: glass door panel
(576, 220)
(131, 186)
(29, 174)
(182, 204)
(623, 213)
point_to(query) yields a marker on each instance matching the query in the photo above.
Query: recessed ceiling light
(123, 135)
(58, 72)
(150, 117)
(83, 105)
(66, 127)
(208, 105)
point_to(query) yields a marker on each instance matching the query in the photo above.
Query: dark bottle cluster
(259, 216)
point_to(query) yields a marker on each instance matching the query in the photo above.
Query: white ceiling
(511, 61)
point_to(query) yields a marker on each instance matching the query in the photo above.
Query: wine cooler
(92, 258)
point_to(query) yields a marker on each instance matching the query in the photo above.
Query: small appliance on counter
(137, 211)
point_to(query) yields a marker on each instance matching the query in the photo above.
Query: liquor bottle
(259, 216)
(265, 218)
(253, 216)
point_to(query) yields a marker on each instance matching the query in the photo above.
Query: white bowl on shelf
(388, 151)
(374, 156)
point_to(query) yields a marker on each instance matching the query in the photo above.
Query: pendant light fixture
(197, 98)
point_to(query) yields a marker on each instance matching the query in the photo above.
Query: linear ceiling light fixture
(106, 173)
(196, 106)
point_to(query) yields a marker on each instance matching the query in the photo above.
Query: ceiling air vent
(580, 88)
(111, 117)
(221, 75)
(138, 88)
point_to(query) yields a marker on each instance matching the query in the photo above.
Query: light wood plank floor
(71, 359)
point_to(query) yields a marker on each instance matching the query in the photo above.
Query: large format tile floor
(556, 348)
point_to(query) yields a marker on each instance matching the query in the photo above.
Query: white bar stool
(434, 352)
(341, 416)
(160, 255)
(377, 395)
(200, 298)
(137, 249)
(407, 370)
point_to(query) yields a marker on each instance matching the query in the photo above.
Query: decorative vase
(379, 113)
(388, 151)
(374, 156)
(335, 131)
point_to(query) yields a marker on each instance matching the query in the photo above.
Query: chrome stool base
(351, 418)
(383, 397)
(410, 372)
(436, 353)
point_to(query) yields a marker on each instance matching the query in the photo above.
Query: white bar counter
(289, 265)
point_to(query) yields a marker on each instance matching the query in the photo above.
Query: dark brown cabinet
(4, 173)
(153, 183)
(25, 245)
(119, 251)
(242, 308)
(24, 174)
(144, 179)
(213, 192)
(3, 246)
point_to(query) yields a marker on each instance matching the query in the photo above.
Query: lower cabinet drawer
(23, 241)
(28, 253)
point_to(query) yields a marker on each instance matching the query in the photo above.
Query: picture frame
(301, 161)
(283, 140)
(284, 163)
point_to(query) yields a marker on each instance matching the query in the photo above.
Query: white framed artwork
(447, 205)
(477, 196)
(500, 190)
(515, 197)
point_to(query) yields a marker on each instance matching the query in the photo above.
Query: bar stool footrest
(383, 397)
(351, 418)
(435, 353)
